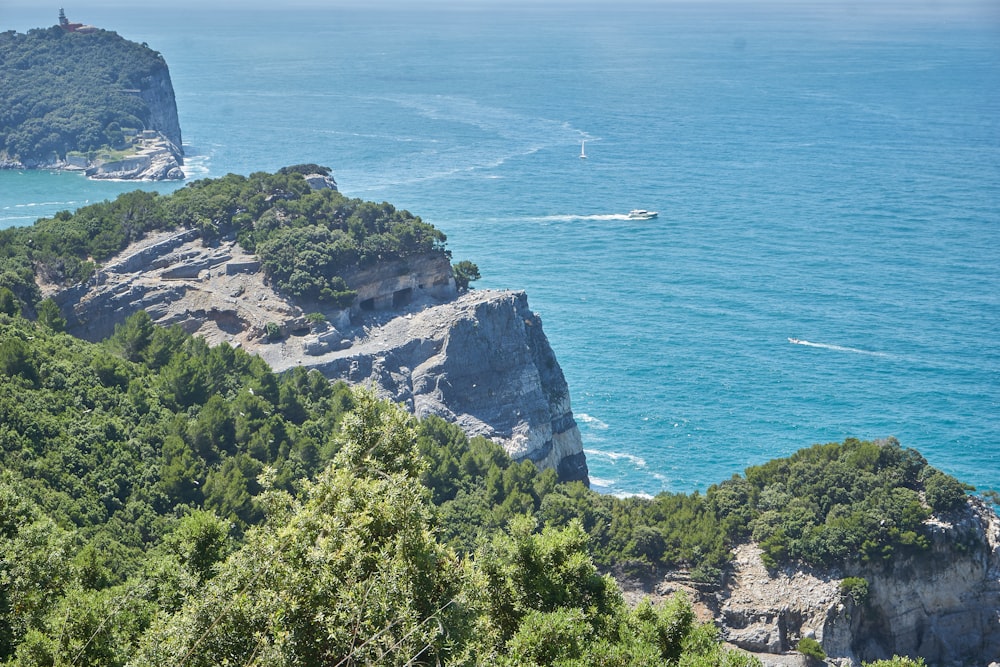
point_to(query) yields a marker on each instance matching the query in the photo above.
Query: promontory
(287, 268)
(78, 97)
(202, 488)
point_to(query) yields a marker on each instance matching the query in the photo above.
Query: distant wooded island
(74, 96)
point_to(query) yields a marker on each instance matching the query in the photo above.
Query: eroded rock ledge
(942, 605)
(153, 157)
(479, 359)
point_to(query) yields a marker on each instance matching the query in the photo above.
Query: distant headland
(81, 98)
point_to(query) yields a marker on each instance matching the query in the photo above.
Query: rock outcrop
(155, 159)
(479, 359)
(942, 605)
(157, 91)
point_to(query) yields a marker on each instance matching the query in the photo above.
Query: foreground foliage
(166, 503)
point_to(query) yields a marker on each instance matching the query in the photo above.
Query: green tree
(811, 648)
(8, 302)
(16, 359)
(465, 272)
(200, 541)
(133, 336)
(352, 573)
(523, 571)
(50, 316)
(943, 492)
(854, 589)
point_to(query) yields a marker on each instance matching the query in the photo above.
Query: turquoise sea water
(826, 175)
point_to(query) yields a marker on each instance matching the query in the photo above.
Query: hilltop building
(74, 27)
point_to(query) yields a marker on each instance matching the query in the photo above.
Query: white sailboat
(583, 152)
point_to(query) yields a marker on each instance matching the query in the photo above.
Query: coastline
(153, 158)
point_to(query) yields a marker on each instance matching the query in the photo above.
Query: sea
(826, 259)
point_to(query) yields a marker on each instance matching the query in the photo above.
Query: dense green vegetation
(163, 502)
(306, 239)
(63, 92)
(465, 273)
(837, 503)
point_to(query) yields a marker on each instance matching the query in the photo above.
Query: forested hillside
(167, 503)
(62, 92)
(306, 239)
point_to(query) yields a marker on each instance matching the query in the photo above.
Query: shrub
(854, 589)
(811, 648)
(896, 661)
(316, 319)
(943, 492)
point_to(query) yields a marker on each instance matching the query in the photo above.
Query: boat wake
(836, 348)
(573, 218)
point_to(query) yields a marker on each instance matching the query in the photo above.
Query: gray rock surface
(156, 159)
(479, 359)
(157, 92)
(942, 605)
(482, 361)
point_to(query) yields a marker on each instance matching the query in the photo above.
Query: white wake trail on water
(573, 217)
(465, 136)
(614, 457)
(837, 348)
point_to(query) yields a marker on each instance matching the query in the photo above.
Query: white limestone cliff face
(157, 92)
(159, 152)
(942, 605)
(155, 159)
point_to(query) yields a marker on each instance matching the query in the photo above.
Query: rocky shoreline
(155, 158)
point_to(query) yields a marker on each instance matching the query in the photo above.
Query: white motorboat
(641, 214)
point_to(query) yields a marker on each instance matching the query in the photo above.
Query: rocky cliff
(942, 605)
(479, 359)
(153, 158)
(157, 91)
(157, 152)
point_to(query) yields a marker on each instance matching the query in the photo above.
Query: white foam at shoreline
(636, 461)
